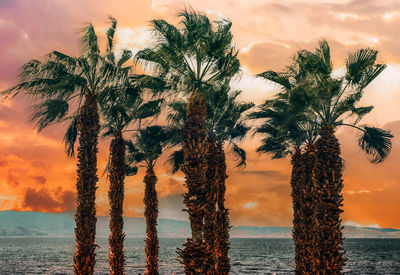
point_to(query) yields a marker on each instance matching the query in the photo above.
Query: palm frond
(277, 147)
(146, 82)
(70, 137)
(110, 33)
(130, 170)
(49, 112)
(278, 78)
(239, 155)
(360, 112)
(89, 43)
(126, 55)
(149, 109)
(147, 145)
(175, 161)
(376, 142)
(357, 63)
(370, 74)
(323, 51)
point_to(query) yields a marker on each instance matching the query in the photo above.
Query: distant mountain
(39, 224)
(30, 223)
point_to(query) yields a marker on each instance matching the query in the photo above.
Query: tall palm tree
(333, 104)
(68, 88)
(113, 112)
(143, 151)
(122, 110)
(225, 126)
(286, 130)
(190, 58)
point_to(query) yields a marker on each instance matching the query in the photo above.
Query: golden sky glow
(35, 174)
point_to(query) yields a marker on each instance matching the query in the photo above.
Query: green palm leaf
(376, 142)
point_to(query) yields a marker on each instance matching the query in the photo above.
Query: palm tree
(113, 107)
(144, 151)
(190, 58)
(122, 110)
(333, 104)
(286, 130)
(68, 88)
(224, 126)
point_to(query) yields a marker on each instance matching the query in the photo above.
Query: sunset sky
(36, 175)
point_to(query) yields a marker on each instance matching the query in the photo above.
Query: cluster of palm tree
(301, 120)
(225, 127)
(190, 67)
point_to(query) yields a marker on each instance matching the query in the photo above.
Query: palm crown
(61, 82)
(193, 56)
(146, 146)
(329, 102)
(122, 111)
(285, 125)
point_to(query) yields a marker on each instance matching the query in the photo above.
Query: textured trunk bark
(222, 262)
(303, 210)
(151, 215)
(194, 139)
(85, 217)
(116, 256)
(307, 238)
(210, 211)
(328, 202)
(297, 182)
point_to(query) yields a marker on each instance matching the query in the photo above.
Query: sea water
(248, 256)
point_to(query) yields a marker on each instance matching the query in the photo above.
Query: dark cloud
(169, 186)
(270, 174)
(12, 180)
(40, 179)
(43, 200)
(68, 200)
(3, 163)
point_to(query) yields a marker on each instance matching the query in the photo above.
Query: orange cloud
(43, 200)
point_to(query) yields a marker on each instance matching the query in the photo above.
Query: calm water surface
(248, 256)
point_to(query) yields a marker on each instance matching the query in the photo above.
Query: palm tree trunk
(303, 210)
(222, 262)
(328, 202)
(210, 210)
(85, 217)
(307, 238)
(193, 256)
(296, 182)
(116, 256)
(151, 215)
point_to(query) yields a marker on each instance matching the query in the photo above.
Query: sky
(36, 175)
